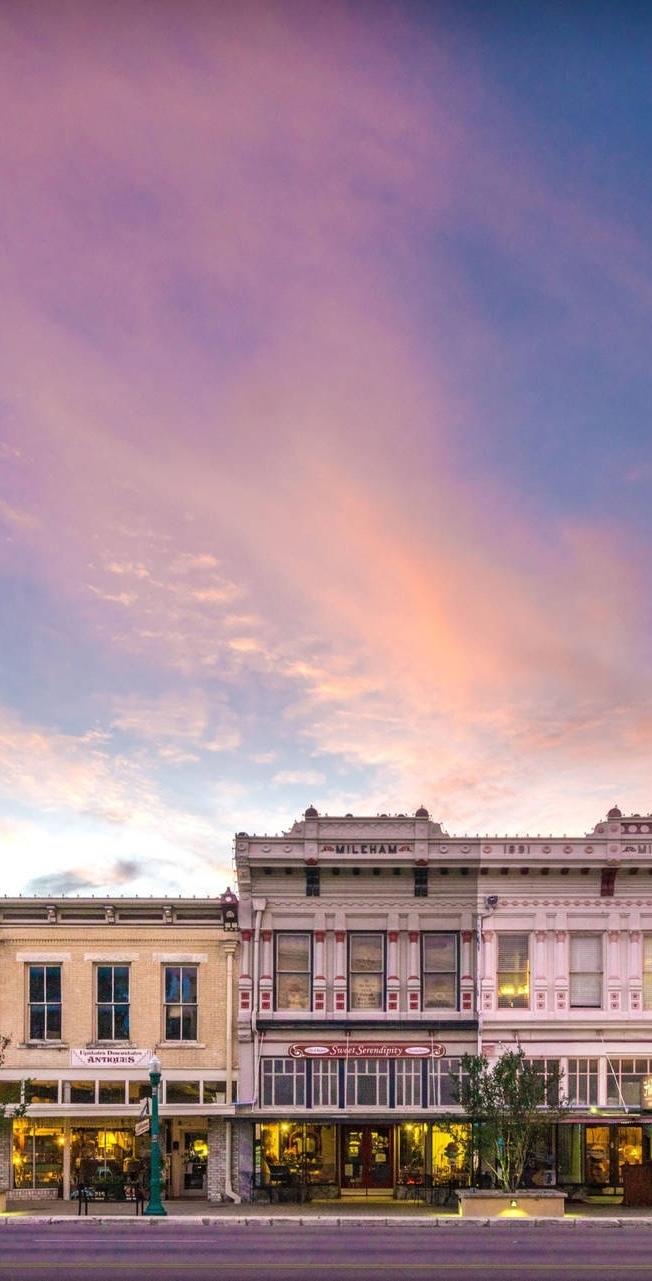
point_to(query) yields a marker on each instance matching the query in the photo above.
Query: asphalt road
(139, 1251)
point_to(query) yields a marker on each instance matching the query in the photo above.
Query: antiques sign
(367, 1050)
(109, 1058)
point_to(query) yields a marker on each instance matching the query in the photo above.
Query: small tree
(509, 1105)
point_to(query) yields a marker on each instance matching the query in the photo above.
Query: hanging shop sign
(367, 1050)
(110, 1058)
(141, 1127)
(646, 1094)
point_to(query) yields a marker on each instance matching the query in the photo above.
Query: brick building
(89, 989)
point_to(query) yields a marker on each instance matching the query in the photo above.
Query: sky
(325, 425)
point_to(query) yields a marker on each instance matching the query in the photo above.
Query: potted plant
(510, 1104)
(9, 1108)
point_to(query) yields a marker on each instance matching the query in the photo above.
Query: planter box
(526, 1203)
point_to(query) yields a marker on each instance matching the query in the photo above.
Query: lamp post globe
(154, 1206)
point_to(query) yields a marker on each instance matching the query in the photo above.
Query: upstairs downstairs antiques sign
(110, 1058)
(367, 1050)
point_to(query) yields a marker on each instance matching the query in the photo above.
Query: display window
(37, 1156)
(301, 1153)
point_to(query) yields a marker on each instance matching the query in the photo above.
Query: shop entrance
(189, 1161)
(608, 1149)
(367, 1158)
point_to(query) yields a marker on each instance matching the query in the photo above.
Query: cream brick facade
(78, 1096)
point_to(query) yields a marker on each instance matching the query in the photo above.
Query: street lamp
(155, 1206)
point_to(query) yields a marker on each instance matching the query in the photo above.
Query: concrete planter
(528, 1203)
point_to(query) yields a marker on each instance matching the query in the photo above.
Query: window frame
(512, 979)
(101, 1006)
(287, 978)
(433, 973)
(577, 976)
(49, 1007)
(181, 1004)
(366, 972)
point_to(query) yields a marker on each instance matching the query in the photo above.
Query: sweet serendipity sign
(367, 1050)
(110, 1058)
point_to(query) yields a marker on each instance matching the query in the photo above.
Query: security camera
(491, 902)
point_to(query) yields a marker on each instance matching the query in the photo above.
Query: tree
(509, 1105)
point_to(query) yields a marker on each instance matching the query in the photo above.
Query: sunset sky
(325, 424)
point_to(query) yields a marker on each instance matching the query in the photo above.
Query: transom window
(366, 971)
(581, 1082)
(513, 971)
(325, 1083)
(293, 971)
(586, 971)
(283, 1082)
(439, 971)
(113, 1002)
(180, 1002)
(408, 1083)
(367, 1083)
(44, 1006)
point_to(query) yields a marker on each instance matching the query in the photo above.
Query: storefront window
(214, 1091)
(104, 1159)
(305, 1153)
(451, 1153)
(408, 1083)
(624, 1081)
(78, 1091)
(37, 1155)
(325, 1083)
(43, 1091)
(411, 1153)
(581, 1082)
(367, 1083)
(182, 1092)
(283, 1082)
(111, 1092)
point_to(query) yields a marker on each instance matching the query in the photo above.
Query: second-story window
(366, 971)
(585, 987)
(647, 971)
(113, 1002)
(293, 971)
(180, 989)
(44, 1005)
(513, 977)
(439, 971)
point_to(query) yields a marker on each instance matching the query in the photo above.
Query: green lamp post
(154, 1206)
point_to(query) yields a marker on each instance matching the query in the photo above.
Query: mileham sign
(367, 1050)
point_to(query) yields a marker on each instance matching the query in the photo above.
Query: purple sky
(325, 425)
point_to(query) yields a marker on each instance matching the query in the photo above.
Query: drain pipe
(229, 1190)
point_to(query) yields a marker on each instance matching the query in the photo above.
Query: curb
(335, 1221)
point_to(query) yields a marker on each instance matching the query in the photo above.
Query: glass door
(367, 1158)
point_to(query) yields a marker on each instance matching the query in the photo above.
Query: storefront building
(377, 951)
(88, 992)
(356, 1003)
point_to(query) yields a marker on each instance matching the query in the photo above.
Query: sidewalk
(596, 1210)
